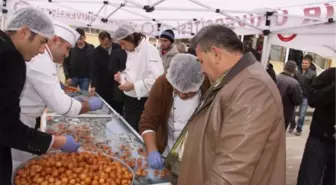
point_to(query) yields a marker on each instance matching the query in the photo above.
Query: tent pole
(97, 14)
(287, 55)
(2, 21)
(115, 10)
(70, 8)
(134, 3)
(188, 20)
(266, 46)
(80, 1)
(225, 14)
(205, 10)
(155, 3)
(3, 16)
(242, 38)
(151, 19)
(264, 53)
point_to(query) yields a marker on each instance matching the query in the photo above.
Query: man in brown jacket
(236, 136)
(171, 102)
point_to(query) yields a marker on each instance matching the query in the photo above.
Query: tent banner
(323, 45)
(183, 29)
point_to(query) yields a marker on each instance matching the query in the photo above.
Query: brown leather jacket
(157, 109)
(237, 136)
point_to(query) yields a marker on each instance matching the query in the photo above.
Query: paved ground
(295, 146)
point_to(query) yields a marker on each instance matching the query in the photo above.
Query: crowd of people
(210, 114)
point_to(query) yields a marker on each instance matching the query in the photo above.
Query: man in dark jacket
(305, 77)
(290, 91)
(108, 57)
(25, 36)
(318, 161)
(78, 66)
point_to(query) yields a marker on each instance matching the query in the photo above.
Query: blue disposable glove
(95, 103)
(71, 145)
(62, 85)
(155, 160)
(79, 98)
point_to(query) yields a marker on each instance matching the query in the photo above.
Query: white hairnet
(34, 19)
(123, 31)
(184, 73)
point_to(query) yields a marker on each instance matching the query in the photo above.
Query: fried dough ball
(156, 173)
(74, 169)
(140, 172)
(142, 152)
(139, 161)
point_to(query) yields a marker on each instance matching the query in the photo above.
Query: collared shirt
(143, 67)
(109, 50)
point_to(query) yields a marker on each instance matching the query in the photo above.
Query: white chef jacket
(42, 89)
(143, 66)
(179, 115)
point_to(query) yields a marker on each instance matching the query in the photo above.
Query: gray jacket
(305, 80)
(166, 58)
(291, 93)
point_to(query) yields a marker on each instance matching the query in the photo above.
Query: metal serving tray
(113, 131)
(84, 95)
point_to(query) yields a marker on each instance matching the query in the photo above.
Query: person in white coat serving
(143, 67)
(171, 102)
(42, 87)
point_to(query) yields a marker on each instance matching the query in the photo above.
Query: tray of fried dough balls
(81, 168)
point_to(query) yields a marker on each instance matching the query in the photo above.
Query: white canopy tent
(186, 17)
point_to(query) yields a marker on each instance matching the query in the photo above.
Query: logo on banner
(286, 37)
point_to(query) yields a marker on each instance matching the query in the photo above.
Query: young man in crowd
(290, 91)
(167, 49)
(305, 77)
(78, 66)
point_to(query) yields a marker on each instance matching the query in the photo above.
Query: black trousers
(292, 123)
(318, 163)
(286, 123)
(117, 106)
(133, 110)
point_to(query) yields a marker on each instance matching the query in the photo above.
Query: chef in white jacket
(143, 66)
(42, 87)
